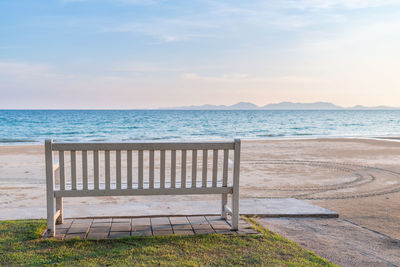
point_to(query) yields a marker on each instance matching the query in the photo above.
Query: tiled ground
(121, 227)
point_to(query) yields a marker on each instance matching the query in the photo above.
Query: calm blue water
(34, 126)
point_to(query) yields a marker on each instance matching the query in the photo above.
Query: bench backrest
(118, 166)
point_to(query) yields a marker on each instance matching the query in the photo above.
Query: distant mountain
(244, 105)
(280, 106)
(359, 107)
(290, 105)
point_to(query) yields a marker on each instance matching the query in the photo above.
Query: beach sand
(358, 178)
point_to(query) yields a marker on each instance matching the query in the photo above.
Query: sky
(133, 54)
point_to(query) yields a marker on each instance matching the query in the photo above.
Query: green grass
(20, 244)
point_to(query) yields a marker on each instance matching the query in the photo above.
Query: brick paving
(105, 228)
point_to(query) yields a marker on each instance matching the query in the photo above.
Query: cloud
(247, 78)
(127, 2)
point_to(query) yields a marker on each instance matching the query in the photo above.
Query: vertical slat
(151, 169)
(194, 168)
(96, 168)
(62, 169)
(204, 172)
(107, 169)
(129, 169)
(73, 169)
(84, 170)
(173, 168)
(162, 169)
(140, 169)
(118, 168)
(225, 168)
(183, 169)
(215, 168)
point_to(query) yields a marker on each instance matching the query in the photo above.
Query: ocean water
(34, 126)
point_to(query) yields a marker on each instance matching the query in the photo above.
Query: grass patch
(20, 244)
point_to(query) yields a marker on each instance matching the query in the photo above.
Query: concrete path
(339, 241)
(283, 207)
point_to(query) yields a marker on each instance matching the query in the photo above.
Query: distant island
(280, 106)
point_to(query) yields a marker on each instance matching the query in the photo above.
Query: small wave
(302, 134)
(17, 141)
(270, 135)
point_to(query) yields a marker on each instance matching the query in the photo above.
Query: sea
(34, 126)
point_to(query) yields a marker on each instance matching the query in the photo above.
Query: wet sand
(358, 178)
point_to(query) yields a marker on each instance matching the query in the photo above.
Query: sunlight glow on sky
(149, 53)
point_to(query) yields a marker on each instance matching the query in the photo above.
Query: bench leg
(59, 206)
(51, 224)
(235, 211)
(224, 201)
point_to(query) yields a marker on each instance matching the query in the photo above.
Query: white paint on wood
(140, 169)
(173, 168)
(215, 168)
(73, 169)
(151, 169)
(118, 168)
(144, 146)
(228, 210)
(62, 169)
(129, 169)
(84, 170)
(59, 209)
(235, 195)
(96, 168)
(225, 168)
(194, 168)
(204, 171)
(50, 188)
(144, 192)
(162, 169)
(183, 169)
(56, 215)
(224, 202)
(107, 169)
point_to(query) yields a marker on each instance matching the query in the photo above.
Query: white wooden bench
(91, 176)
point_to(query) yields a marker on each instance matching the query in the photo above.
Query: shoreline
(377, 138)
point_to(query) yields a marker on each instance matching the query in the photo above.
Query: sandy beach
(358, 178)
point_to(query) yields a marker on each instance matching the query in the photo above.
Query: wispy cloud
(248, 78)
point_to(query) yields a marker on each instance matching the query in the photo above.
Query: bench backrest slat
(162, 169)
(183, 168)
(204, 171)
(96, 168)
(84, 170)
(194, 167)
(62, 169)
(225, 168)
(215, 168)
(140, 169)
(73, 169)
(129, 169)
(173, 168)
(107, 169)
(118, 168)
(151, 169)
(108, 166)
(142, 146)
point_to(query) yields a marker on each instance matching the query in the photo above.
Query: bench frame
(55, 195)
